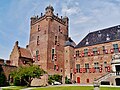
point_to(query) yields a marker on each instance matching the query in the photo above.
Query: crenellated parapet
(61, 20)
(49, 15)
(36, 19)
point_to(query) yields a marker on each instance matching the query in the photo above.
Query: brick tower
(47, 38)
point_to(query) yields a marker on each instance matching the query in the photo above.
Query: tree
(25, 74)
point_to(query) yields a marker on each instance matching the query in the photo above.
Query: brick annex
(95, 58)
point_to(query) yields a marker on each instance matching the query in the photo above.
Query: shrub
(54, 77)
(2, 79)
(67, 81)
(16, 81)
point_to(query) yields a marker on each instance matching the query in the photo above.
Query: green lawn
(64, 88)
(77, 88)
(13, 88)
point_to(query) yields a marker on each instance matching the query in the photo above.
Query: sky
(84, 16)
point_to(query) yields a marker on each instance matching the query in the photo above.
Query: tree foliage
(54, 77)
(25, 74)
(2, 77)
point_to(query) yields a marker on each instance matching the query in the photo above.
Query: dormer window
(107, 38)
(87, 42)
(99, 34)
(119, 27)
(118, 31)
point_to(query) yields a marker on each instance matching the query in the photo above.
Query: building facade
(51, 48)
(47, 37)
(94, 55)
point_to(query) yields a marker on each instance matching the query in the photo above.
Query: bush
(53, 78)
(2, 79)
(67, 81)
(16, 81)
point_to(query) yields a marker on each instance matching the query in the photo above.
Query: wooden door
(78, 79)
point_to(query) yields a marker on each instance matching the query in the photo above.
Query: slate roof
(25, 53)
(101, 36)
(70, 42)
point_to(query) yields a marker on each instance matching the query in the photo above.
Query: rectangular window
(54, 67)
(37, 55)
(115, 47)
(95, 51)
(105, 66)
(37, 40)
(38, 27)
(55, 40)
(86, 52)
(59, 28)
(87, 67)
(78, 68)
(96, 66)
(77, 53)
(53, 54)
(103, 47)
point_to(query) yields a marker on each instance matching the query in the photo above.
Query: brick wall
(101, 58)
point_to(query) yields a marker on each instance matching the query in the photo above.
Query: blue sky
(85, 16)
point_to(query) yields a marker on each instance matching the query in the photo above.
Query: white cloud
(70, 10)
(84, 15)
(82, 19)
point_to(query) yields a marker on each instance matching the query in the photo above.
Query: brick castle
(95, 58)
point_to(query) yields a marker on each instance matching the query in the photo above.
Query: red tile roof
(25, 53)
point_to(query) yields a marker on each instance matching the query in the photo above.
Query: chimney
(7, 62)
(27, 46)
(1, 61)
(16, 43)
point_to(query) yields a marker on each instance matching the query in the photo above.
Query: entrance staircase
(106, 76)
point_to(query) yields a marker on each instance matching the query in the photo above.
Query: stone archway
(117, 80)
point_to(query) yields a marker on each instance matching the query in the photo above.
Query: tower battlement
(49, 14)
